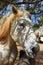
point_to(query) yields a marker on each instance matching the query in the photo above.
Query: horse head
(24, 34)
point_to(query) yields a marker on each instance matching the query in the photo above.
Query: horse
(23, 33)
(17, 27)
(8, 49)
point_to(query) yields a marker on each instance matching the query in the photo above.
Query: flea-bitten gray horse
(24, 34)
(8, 49)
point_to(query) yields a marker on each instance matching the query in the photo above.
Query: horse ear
(14, 9)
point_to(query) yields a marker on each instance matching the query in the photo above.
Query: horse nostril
(36, 49)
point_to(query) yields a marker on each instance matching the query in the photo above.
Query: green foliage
(36, 26)
(41, 19)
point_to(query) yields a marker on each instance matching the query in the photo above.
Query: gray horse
(23, 33)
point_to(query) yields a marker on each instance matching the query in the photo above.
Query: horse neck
(5, 31)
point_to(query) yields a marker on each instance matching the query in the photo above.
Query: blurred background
(35, 7)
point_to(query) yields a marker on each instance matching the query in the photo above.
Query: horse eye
(22, 25)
